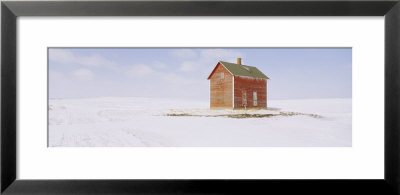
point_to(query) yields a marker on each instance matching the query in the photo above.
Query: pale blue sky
(182, 72)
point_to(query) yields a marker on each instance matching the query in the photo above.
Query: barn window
(254, 98)
(222, 76)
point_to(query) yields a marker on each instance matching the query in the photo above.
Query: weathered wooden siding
(221, 88)
(249, 85)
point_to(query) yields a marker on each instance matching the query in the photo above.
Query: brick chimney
(239, 61)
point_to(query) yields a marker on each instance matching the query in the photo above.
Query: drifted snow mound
(158, 122)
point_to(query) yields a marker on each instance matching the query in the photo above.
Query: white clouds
(176, 79)
(83, 74)
(95, 60)
(175, 73)
(61, 56)
(184, 53)
(220, 54)
(64, 56)
(168, 79)
(56, 75)
(140, 70)
(159, 64)
(188, 66)
(207, 54)
(208, 58)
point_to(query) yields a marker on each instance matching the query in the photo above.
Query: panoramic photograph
(199, 97)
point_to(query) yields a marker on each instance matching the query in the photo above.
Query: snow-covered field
(115, 121)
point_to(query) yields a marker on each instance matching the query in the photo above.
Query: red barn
(237, 86)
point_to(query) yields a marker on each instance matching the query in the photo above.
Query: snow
(133, 121)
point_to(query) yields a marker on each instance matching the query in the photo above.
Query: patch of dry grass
(245, 115)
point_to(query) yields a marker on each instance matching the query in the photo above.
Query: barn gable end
(221, 89)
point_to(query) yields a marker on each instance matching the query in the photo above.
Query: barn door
(255, 103)
(244, 98)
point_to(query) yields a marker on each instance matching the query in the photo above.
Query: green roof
(243, 70)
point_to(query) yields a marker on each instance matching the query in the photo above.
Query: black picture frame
(11, 10)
